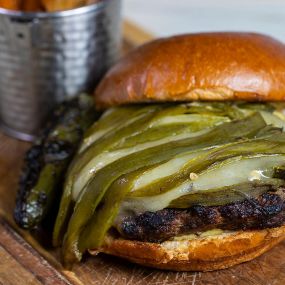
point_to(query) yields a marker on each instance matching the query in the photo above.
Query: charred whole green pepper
(46, 162)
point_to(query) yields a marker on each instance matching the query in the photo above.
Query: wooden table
(24, 261)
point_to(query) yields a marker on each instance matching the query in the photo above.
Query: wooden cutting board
(24, 261)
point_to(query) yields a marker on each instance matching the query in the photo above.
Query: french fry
(48, 5)
(31, 5)
(10, 4)
(59, 5)
(89, 2)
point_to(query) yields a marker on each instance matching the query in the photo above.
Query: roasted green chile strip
(166, 131)
(94, 192)
(275, 144)
(231, 171)
(226, 195)
(111, 120)
(107, 212)
(119, 117)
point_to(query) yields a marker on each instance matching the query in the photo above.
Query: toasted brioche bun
(206, 66)
(199, 254)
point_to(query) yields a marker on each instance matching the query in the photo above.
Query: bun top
(206, 66)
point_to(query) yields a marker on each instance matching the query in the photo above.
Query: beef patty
(266, 211)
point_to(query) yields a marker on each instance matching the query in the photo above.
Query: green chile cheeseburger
(168, 180)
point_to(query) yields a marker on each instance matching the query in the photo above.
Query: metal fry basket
(48, 57)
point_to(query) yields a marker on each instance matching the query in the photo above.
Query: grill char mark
(266, 211)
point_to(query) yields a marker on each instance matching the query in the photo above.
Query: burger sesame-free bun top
(205, 66)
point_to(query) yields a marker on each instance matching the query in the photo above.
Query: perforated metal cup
(48, 57)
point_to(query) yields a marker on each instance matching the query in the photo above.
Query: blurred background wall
(168, 17)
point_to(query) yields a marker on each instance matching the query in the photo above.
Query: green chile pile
(149, 157)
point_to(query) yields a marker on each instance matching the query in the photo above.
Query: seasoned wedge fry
(58, 5)
(44, 5)
(31, 5)
(10, 4)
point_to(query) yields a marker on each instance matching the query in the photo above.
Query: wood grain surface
(24, 261)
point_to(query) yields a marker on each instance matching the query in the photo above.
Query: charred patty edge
(265, 211)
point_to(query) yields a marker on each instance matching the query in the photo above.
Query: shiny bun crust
(206, 66)
(199, 254)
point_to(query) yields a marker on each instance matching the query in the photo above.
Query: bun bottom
(198, 254)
